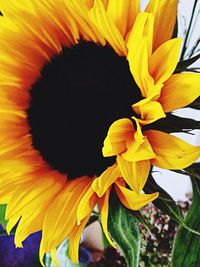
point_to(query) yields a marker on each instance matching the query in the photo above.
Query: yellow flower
(68, 70)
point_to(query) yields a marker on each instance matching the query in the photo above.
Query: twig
(188, 31)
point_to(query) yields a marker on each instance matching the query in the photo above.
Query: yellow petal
(144, 152)
(171, 152)
(61, 217)
(80, 12)
(134, 173)
(139, 148)
(149, 112)
(54, 258)
(107, 28)
(29, 223)
(8, 7)
(139, 67)
(164, 60)
(86, 205)
(133, 200)
(165, 17)
(123, 13)
(139, 51)
(179, 91)
(11, 223)
(118, 134)
(103, 204)
(105, 180)
(32, 195)
(74, 240)
(143, 27)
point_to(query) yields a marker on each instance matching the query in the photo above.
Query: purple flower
(19, 257)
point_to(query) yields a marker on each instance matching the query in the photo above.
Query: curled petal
(101, 184)
(150, 112)
(139, 148)
(133, 200)
(144, 151)
(118, 134)
(171, 152)
(134, 173)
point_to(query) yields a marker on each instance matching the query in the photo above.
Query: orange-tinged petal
(107, 28)
(134, 173)
(103, 204)
(165, 12)
(133, 200)
(123, 13)
(89, 3)
(179, 91)
(164, 60)
(106, 179)
(74, 240)
(118, 134)
(171, 152)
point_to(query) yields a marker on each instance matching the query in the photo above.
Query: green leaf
(164, 202)
(2, 215)
(186, 250)
(123, 228)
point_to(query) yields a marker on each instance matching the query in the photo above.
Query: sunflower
(70, 69)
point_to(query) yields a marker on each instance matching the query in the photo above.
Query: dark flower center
(79, 95)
